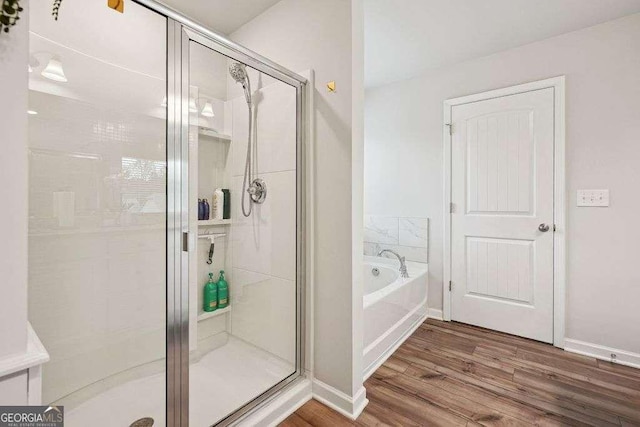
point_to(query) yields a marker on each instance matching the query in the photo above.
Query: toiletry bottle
(207, 210)
(200, 210)
(226, 205)
(218, 201)
(210, 297)
(214, 206)
(223, 291)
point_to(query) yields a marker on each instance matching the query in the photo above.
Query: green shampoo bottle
(223, 291)
(210, 297)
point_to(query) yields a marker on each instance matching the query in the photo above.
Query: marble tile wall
(409, 236)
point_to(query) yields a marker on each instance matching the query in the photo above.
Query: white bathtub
(393, 307)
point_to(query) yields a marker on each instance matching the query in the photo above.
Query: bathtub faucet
(403, 265)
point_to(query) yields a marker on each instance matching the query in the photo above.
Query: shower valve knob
(258, 191)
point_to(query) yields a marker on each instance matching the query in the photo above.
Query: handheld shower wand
(239, 74)
(257, 189)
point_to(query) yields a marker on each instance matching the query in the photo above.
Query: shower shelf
(213, 222)
(213, 134)
(209, 314)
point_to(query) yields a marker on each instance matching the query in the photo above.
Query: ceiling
(222, 16)
(404, 41)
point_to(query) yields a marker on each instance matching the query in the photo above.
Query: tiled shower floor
(219, 383)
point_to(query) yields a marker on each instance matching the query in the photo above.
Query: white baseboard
(392, 349)
(348, 406)
(278, 409)
(435, 314)
(601, 352)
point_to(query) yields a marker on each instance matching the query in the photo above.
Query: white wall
(404, 174)
(14, 54)
(304, 35)
(357, 196)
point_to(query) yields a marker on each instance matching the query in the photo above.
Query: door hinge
(450, 126)
(554, 227)
(450, 285)
(452, 208)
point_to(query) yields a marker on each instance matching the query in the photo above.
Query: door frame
(559, 194)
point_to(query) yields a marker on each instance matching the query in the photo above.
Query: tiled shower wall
(407, 236)
(263, 287)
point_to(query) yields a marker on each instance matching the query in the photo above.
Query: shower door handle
(185, 242)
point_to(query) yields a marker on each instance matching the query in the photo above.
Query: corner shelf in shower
(209, 314)
(213, 222)
(204, 131)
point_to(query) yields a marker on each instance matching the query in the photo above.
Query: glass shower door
(243, 175)
(97, 210)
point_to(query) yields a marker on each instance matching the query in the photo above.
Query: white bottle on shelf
(218, 204)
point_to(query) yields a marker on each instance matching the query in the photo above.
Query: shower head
(239, 74)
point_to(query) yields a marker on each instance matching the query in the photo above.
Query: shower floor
(219, 383)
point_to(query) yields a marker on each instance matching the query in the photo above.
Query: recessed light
(32, 112)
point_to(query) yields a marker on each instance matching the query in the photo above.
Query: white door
(502, 193)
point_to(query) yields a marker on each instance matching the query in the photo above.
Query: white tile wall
(266, 241)
(407, 236)
(264, 312)
(274, 114)
(264, 245)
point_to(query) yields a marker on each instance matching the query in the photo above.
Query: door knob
(543, 227)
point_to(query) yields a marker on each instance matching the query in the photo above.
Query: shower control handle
(257, 191)
(544, 227)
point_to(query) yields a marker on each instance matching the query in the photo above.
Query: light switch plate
(599, 198)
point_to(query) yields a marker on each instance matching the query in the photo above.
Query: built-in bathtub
(393, 307)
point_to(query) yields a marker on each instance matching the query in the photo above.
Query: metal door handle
(543, 227)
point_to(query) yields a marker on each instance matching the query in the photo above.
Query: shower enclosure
(131, 130)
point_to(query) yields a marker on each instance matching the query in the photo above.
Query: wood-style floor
(450, 374)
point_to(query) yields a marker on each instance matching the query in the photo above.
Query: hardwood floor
(451, 374)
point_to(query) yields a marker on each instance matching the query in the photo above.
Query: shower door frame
(180, 32)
